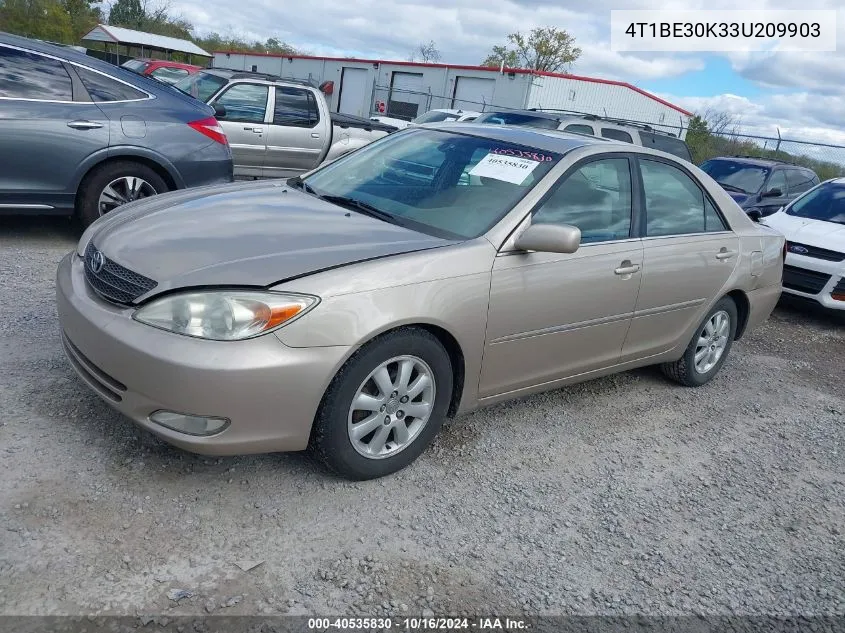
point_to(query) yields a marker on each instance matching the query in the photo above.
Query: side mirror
(772, 193)
(219, 111)
(550, 238)
(755, 214)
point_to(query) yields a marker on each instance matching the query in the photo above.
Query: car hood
(242, 235)
(740, 198)
(828, 235)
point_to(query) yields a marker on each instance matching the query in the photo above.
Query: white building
(364, 87)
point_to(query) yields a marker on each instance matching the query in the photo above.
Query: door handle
(257, 130)
(84, 125)
(725, 254)
(627, 268)
(314, 135)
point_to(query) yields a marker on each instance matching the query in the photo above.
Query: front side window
(104, 89)
(736, 176)
(777, 181)
(295, 107)
(675, 204)
(245, 103)
(827, 203)
(596, 198)
(450, 185)
(30, 76)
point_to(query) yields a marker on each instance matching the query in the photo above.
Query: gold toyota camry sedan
(437, 270)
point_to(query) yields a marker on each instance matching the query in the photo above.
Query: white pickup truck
(278, 128)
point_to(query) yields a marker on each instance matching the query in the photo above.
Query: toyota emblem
(98, 260)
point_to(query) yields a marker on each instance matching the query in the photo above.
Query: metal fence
(827, 159)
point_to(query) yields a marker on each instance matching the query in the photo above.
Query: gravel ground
(624, 495)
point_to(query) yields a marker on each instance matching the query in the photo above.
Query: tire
(331, 438)
(685, 370)
(95, 183)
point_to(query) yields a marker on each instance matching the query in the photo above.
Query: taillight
(210, 128)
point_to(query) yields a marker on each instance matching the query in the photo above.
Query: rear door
(48, 126)
(688, 255)
(298, 134)
(246, 124)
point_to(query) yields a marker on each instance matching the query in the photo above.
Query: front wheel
(385, 405)
(709, 347)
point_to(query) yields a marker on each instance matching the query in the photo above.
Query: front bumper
(269, 391)
(815, 279)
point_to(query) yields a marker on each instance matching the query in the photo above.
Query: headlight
(224, 315)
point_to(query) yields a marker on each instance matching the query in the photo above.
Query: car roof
(762, 162)
(533, 113)
(549, 140)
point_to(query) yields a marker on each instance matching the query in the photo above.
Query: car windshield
(826, 203)
(743, 177)
(446, 184)
(434, 117)
(519, 119)
(201, 85)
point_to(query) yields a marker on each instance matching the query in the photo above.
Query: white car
(432, 116)
(814, 227)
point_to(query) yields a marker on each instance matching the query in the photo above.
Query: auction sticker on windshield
(507, 168)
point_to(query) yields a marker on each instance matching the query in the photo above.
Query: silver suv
(609, 128)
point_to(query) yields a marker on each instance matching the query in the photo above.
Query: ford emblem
(794, 248)
(98, 260)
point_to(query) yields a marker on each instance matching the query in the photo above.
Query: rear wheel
(709, 347)
(114, 184)
(384, 406)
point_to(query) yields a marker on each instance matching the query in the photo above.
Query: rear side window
(675, 204)
(30, 76)
(579, 129)
(169, 75)
(668, 144)
(616, 135)
(799, 180)
(295, 107)
(104, 89)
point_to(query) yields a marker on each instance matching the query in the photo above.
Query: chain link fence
(826, 159)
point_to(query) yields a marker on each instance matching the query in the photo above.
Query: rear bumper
(212, 165)
(761, 302)
(269, 392)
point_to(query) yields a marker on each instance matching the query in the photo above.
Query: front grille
(839, 289)
(804, 280)
(814, 251)
(113, 281)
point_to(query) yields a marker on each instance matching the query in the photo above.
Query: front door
(553, 316)
(776, 185)
(245, 126)
(298, 134)
(689, 253)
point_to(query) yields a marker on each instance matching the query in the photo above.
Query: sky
(802, 94)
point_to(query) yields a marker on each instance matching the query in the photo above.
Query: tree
(426, 53)
(84, 16)
(545, 48)
(128, 13)
(41, 19)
